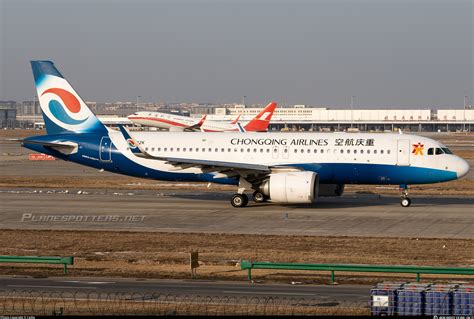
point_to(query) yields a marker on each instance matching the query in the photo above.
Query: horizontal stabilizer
(66, 148)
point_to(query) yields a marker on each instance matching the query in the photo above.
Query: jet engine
(328, 190)
(291, 187)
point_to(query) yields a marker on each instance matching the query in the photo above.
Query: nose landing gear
(404, 200)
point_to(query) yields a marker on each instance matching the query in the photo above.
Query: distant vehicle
(184, 123)
(279, 167)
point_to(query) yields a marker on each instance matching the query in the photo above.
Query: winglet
(236, 119)
(132, 143)
(241, 128)
(196, 126)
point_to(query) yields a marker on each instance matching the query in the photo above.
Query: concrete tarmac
(209, 212)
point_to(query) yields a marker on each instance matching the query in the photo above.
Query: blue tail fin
(63, 109)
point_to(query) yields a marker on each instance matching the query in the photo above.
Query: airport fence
(34, 302)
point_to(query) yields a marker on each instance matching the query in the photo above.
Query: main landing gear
(258, 197)
(404, 200)
(241, 200)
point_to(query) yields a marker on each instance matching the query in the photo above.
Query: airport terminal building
(300, 117)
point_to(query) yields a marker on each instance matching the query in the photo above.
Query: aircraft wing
(197, 126)
(251, 172)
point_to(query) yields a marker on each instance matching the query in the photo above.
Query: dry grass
(166, 255)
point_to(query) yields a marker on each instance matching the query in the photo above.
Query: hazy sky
(392, 53)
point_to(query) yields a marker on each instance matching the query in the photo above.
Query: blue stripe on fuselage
(329, 173)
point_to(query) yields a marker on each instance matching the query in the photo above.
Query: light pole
(352, 109)
(138, 101)
(464, 120)
(243, 100)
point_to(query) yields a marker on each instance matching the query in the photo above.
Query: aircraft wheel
(239, 200)
(405, 202)
(259, 197)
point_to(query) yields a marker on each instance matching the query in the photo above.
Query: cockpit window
(447, 150)
(439, 151)
(430, 151)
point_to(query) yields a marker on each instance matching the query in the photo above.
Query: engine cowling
(291, 187)
(328, 190)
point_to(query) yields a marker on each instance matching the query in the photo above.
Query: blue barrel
(384, 298)
(463, 300)
(411, 299)
(439, 300)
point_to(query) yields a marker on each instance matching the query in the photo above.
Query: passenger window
(439, 151)
(177, 150)
(285, 150)
(165, 149)
(388, 151)
(381, 151)
(342, 151)
(203, 149)
(348, 151)
(296, 151)
(197, 149)
(222, 150)
(210, 149)
(152, 149)
(322, 151)
(362, 151)
(171, 149)
(146, 148)
(302, 150)
(368, 151)
(268, 150)
(255, 150)
(308, 151)
(159, 149)
(248, 150)
(241, 150)
(229, 150)
(355, 151)
(315, 150)
(375, 151)
(184, 149)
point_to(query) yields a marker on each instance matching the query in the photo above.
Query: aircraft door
(403, 152)
(286, 152)
(275, 152)
(105, 149)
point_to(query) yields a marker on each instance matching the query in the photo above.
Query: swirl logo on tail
(70, 102)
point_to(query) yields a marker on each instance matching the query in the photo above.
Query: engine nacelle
(291, 187)
(328, 190)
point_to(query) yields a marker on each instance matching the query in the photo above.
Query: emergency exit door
(403, 152)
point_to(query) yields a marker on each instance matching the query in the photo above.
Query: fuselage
(338, 158)
(170, 121)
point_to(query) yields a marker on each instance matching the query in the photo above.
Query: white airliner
(184, 123)
(276, 167)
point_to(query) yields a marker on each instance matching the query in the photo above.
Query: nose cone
(462, 167)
